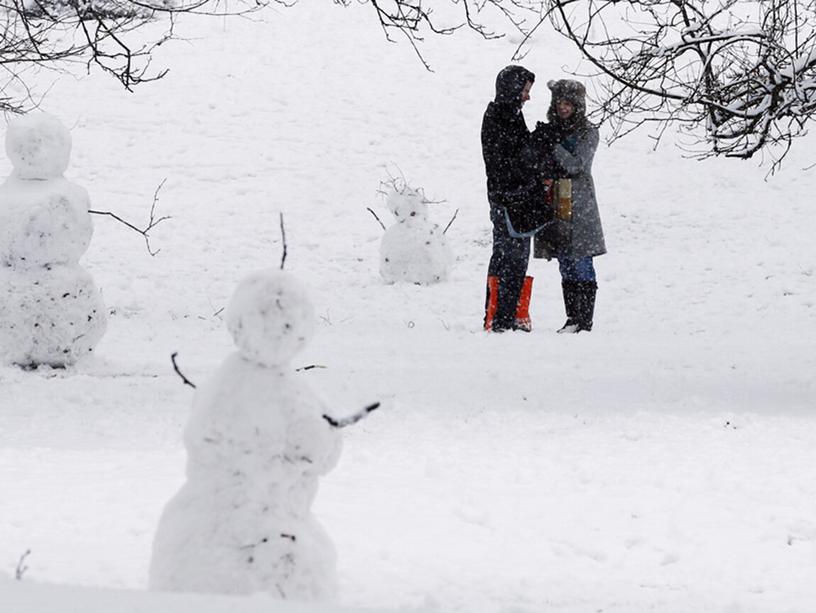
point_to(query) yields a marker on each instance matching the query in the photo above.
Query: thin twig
(178, 372)
(351, 419)
(310, 367)
(370, 210)
(283, 240)
(455, 213)
(21, 566)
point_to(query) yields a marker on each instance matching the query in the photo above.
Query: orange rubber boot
(491, 301)
(523, 321)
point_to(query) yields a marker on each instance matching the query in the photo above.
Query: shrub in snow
(50, 310)
(414, 249)
(256, 445)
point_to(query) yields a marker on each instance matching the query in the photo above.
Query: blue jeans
(581, 269)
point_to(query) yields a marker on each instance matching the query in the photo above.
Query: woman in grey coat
(569, 142)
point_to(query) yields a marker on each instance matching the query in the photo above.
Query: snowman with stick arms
(258, 440)
(51, 312)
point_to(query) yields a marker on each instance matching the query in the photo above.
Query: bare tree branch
(152, 222)
(60, 34)
(413, 19)
(737, 77)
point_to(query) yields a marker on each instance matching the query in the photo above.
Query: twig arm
(283, 240)
(351, 419)
(184, 379)
(450, 223)
(370, 210)
(152, 222)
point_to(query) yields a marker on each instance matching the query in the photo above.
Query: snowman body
(414, 249)
(50, 309)
(257, 444)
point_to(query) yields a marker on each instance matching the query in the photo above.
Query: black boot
(571, 306)
(586, 305)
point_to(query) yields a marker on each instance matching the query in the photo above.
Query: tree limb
(152, 222)
(738, 83)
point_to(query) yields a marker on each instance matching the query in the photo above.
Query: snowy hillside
(663, 462)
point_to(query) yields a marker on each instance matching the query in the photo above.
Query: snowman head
(407, 204)
(38, 145)
(270, 317)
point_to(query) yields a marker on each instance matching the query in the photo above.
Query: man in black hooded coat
(516, 195)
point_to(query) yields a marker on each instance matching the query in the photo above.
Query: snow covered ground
(663, 462)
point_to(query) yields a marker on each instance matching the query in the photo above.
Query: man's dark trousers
(509, 263)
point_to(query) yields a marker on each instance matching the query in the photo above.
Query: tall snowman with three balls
(257, 442)
(51, 313)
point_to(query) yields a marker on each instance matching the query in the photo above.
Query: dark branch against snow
(283, 240)
(450, 223)
(370, 210)
(184, 379)
(351, 419)
(152, 222)
(22, 567)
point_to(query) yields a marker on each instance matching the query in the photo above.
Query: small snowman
(51, 313)
(414, 249)
(257, 441)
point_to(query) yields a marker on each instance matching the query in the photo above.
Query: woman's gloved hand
(569, 142)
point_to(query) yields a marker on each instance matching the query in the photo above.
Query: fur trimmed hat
(571, 91)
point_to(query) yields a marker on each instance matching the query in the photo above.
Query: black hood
(509, 84)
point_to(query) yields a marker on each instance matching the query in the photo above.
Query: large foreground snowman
(50, 310)
(257, 442)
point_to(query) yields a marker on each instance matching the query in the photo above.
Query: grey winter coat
(575, 155)
(567, 148)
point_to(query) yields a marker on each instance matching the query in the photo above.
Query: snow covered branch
(351, 419)
(738, 77)
(108, 34)
(413, 19)
(152, 222)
